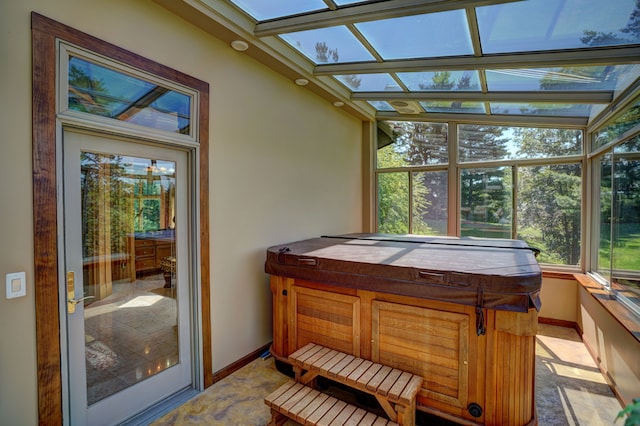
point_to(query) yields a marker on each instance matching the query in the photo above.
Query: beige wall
(285, 165)
(559, 299)
(616, 349)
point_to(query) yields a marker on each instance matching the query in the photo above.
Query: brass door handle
(71, 303)
(71, 300)
(82, 299)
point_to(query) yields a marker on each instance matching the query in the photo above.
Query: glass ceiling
(542, 58)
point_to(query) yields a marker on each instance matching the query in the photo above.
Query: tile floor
(569, 390)
(129, 335)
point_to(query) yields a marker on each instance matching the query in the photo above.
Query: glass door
(127, 283)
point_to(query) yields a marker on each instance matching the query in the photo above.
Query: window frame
(66, 50)
(594, 159)
(455, 168)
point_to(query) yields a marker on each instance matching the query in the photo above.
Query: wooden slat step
(308, 406)
(395, 385)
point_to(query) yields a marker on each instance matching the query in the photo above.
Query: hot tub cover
(490, 273)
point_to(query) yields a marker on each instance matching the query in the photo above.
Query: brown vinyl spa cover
(490, 273)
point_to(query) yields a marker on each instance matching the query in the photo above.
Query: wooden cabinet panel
(474, 379)
(148, 252)
(429, 342)
(163, 249)
(145, 264)
(326, 318)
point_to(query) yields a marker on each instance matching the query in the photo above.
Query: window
(549, 211)
(511, 182)
(618, 219)
(107, 93)
(485, 202)
(412, 182)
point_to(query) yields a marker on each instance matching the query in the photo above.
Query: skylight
(566, 59)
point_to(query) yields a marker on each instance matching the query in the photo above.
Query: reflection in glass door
(128, 307)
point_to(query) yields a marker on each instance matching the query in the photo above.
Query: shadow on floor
(569, 390)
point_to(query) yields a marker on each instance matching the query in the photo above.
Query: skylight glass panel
(381, 105)
(420, 36)
(328, 45)
(539, 108)
(441, 80)
(264, 10)
(535, 25)
(369, 82)
(454, 107)
(345, 2)
(570, 78)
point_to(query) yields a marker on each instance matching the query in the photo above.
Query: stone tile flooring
(129, 335)
(569, 390)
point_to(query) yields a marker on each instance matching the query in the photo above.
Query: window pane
(264, 10)
(369, 82)
(549, 211)
(490, 143)
(625, 238)
(539, 108)
(328, 45)
(604, 197)
(381, 105)
(626, 121)
(485, 202)
(393, 203)
(429, 209)
(389, 37)
(556, 24)
(454, 107)
(441, 80)
(569, 78)
(416, 144)
(102, 91)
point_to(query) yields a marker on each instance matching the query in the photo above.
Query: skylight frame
(350, 15)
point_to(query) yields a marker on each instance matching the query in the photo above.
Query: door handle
(71, 288)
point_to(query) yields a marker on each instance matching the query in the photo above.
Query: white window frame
(65, 50)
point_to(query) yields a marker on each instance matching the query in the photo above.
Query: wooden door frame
(44, 34)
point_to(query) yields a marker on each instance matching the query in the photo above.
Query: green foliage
(631, 412)
(87, 94)
(393, 203)
(550, 200)
(550, 196)
(106, 204)
(393, 195)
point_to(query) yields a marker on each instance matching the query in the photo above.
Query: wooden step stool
(394, 389)
(308, 406)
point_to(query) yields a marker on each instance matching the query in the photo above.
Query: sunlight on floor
(569, 389)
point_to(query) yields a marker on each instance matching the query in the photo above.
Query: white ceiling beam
(575, 97)
(579, 57)
(513, 120)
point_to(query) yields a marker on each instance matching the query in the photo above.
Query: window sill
(620, 313)
(561, 275)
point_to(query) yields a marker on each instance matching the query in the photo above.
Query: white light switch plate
(16, 285)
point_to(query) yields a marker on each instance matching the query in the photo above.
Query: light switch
(16, 285)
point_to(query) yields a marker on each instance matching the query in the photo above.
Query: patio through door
(127, 290)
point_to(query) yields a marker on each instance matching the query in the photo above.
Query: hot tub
(460, 311)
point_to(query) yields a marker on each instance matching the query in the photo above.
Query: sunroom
(244, 124)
